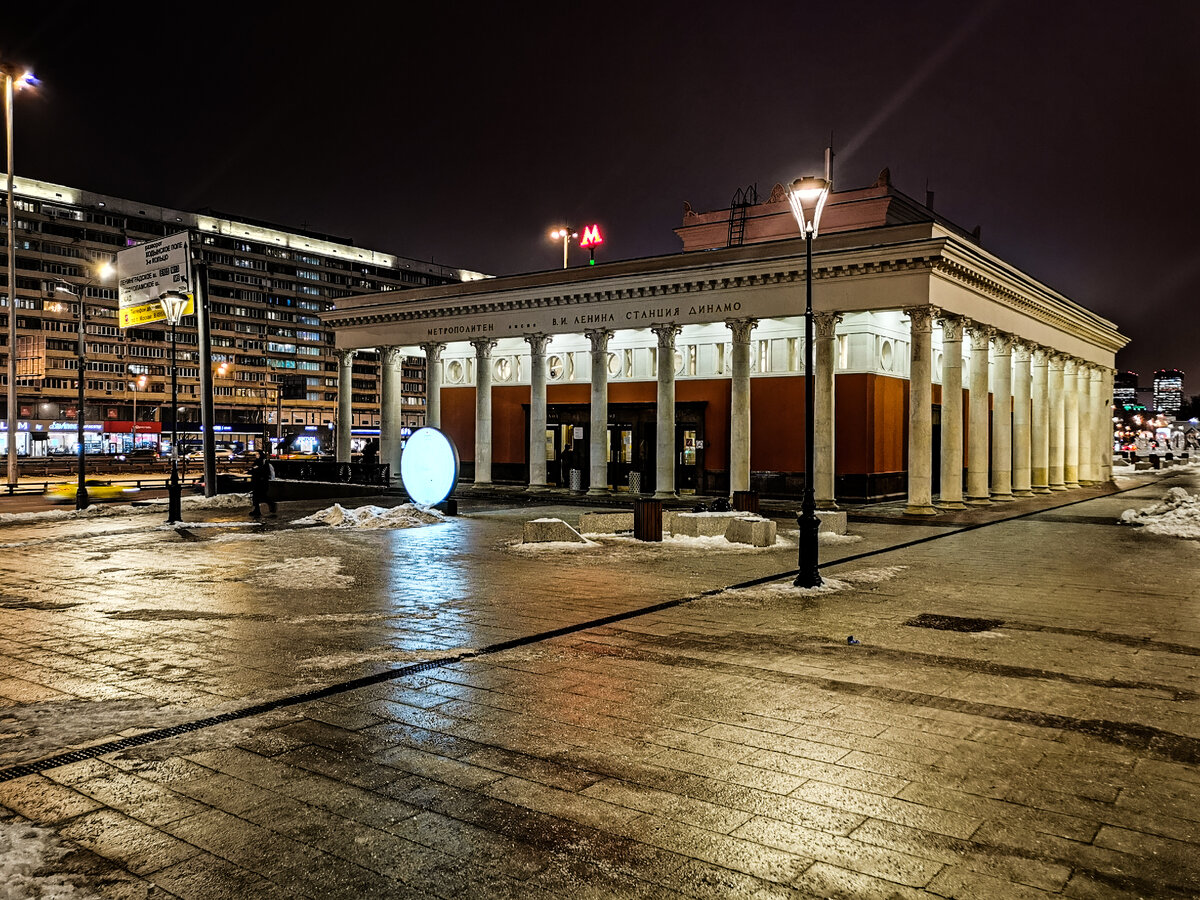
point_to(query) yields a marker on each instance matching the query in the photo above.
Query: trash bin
(577, 480)
(635, 482)
(647, 520)
(746, 501)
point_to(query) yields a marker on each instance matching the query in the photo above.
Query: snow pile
(1176, 515)
(26, 850)
(785, 590)
(407, 516)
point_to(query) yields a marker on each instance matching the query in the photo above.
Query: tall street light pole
(14, 79)
(807, 197)
(173, 304)
(565, 235)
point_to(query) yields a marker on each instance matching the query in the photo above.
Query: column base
(827, 504)
(476, 483)
(921, 510)
(1058, 487)
(598, 492)
(978, 501)
(1002, 498)
(1041, 489)
(538, 488)
(665, 495)
(1072, 485)
(950, 504)
(1022, 493)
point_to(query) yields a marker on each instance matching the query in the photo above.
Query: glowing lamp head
(26, 80)
(173, 304)
(807, 197)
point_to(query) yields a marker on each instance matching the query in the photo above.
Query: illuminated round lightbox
(429, 466)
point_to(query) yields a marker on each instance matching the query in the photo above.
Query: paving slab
(441, 711)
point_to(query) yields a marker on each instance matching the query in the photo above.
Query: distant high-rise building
(1168, 391)
(1125, 389)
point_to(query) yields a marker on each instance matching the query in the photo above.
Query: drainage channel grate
(953, 623)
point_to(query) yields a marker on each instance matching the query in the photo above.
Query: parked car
(140, 453)
(98, 491)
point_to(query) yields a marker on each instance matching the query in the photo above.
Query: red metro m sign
(591, 236)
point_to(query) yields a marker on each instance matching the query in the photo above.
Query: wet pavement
(242, 709)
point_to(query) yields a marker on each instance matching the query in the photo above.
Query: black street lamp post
(173, 304)
(807, 197)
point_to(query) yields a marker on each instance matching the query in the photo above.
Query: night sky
(1069, 131)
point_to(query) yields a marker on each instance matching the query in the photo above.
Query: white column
(824, 401)
(1087, 464)
(433, 383)
(537, 410)
(1070, 423)
(664, 479)
(1057, 429)
(1039, 425)
(599, 420)
(920, 413)
(977, 438)
(1022, 412)
(391, 403)
(345, 409)
(1002, 418)
(483, 409)
(1104, 429)
(739, 407)
(951, 494)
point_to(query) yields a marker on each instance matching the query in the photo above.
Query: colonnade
(1049, 423)
(1050, 430)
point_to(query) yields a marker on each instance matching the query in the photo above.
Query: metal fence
(333, 472)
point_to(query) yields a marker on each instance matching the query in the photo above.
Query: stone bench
(753, 530)
(541, 531)
(704, 524)
(605, 522)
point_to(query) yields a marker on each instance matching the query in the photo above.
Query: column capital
(537, 343)
(432, 350)
(825, 324)
(666, 334)
(1002, 343)
(483, 347)
(1070, 365)
(1022, 350)
(391, 356)
(981, 336)
(1055, 359)
(920, 317)
(741, 329)
(952, 327)
(599, 338)
(344, 357)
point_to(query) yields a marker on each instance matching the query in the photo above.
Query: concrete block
(705, 524)
(605, 522)
(754, 530)
(540, 531)
(832, 521)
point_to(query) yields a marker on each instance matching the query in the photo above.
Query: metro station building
(943, 373)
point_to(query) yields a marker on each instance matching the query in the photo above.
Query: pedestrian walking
(261, 474)
(370, 455)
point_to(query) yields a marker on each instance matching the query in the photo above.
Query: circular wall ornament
(885, 356)
(429, 466)
(454, 371)
(555, 367)
(503, 369)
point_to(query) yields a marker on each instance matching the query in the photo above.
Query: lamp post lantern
(14, 79)
(807, 197)
(173, 304)
(564, 235)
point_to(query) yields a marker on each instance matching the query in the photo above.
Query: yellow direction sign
(150, 312)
